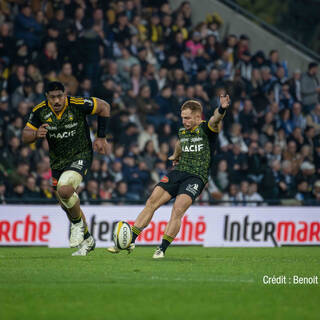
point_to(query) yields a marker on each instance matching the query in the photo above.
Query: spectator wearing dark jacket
(310, 88)
(26, 27)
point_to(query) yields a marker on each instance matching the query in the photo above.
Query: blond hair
(193, 105)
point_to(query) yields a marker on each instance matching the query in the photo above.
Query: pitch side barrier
(210, 226)
(265, 202)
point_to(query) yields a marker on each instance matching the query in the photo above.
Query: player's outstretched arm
(31, 135)
(103, 111)
(215, 121)
(176, 154)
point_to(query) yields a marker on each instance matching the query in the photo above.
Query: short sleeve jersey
(198, 147)
(68, 131)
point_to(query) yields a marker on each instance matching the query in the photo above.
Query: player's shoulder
(76, 100)
(81, 100)
(203, 124)
(40, 105)
(182, 130)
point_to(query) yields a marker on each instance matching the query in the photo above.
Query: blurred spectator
(91, 193)
(146, 60)
(85, 88)
(298, 119)
(31, 190)
(92, 47)
(45, 190)
(116, 171)
(316, 193)
(273, 62)
(237, 163)
(231, 198)
(256, 162)
(292, 155)
(271, 181)
(149, 155)
(313, 119)
(18, 193)
(26, 27)
(253, 197)
(16, 78)
(146, 135)
(3, 192)
(7, 45)
(66, 77)
(310, 88)
(304, 195)
(23, 93)
(15, 128)
(242, 196)
(295, 85)
(147, 108)
(222, 176)
(287, 182)
(48, 59)
(120, 194)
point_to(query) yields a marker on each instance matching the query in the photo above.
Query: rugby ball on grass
(122, 235)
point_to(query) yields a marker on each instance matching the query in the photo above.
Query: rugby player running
(62, 120)
(192, 159)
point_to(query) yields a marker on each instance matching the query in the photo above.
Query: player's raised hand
(42, 131)
(224, 101)
(100, 145)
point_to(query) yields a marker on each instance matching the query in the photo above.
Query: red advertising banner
(208, 226)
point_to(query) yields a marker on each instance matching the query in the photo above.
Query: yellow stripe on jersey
(40, 105)
(94, 106)
(76, 99)
(31, 126)
(73, 102)
(213, 130)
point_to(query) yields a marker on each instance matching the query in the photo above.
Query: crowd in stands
(146, 59)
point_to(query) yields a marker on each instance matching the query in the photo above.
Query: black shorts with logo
(180, 182)
(80, 166)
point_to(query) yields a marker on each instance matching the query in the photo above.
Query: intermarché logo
(279, 232)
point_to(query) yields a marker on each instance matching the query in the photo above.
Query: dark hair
(312, 65)
(54, 85)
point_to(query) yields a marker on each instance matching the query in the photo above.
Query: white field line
(190, 280)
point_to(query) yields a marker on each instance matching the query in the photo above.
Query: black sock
(77, 220)
(135, 233)
(86, 233)
(166, 241)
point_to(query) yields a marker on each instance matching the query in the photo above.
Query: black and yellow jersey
(68, 131)
(198, 147)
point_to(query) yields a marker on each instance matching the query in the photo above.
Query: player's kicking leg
(70, 202)
(88, 244)
(181, 205)
(158, 197)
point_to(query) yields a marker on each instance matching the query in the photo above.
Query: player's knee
(152, 203)
(177, 212)
(65, 192)
(70, 178)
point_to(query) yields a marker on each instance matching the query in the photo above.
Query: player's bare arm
(103, 111)
(176, 154)
(31, 135)
(215, 121)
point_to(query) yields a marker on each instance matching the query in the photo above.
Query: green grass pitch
(190, 283)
